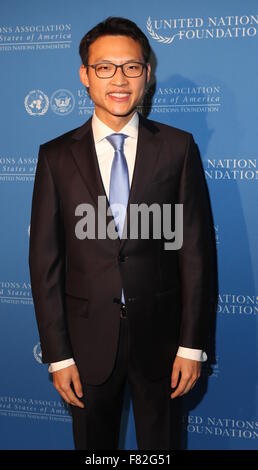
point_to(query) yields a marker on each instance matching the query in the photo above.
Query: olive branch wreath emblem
(157, 37)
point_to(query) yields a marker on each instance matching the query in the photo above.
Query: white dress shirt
(105, 154)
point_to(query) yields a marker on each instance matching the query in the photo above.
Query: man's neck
(114, 122)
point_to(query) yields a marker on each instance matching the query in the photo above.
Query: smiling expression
(115, 98)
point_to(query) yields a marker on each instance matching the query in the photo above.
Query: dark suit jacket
(74, 282)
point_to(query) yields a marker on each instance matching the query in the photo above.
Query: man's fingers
(63, 395)
(193, 384)
(63, 380)
(184, 386)
(68, 395)
(190, 371)
(77, 386)
(180, 389)
(73, 399)
(188, 387)
(175, 376)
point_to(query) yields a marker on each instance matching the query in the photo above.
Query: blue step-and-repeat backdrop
(206, 82)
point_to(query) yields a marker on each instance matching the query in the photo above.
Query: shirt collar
(101, 130)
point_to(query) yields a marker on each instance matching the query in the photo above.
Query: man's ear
(148, 72)
(84, 76)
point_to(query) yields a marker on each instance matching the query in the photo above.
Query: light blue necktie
(119, 183)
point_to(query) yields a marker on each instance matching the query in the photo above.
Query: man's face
(110, 107)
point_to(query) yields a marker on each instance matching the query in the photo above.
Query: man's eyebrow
(101, 61)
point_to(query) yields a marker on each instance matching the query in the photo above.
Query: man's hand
(62, 382)
(190, 373)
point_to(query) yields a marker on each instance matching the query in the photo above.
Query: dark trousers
(97, 425)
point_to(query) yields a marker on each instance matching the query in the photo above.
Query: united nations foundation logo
(37, 353)
(36, 103)
(62, 102)
(170, 30)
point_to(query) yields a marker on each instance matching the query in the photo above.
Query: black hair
(114, 26)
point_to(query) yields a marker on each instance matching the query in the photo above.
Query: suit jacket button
(121, 258)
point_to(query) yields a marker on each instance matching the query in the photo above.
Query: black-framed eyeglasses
(108, 70)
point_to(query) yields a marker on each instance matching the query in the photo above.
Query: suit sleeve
(47, 265)
(196, 255)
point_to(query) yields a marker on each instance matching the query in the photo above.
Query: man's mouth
(119, 97)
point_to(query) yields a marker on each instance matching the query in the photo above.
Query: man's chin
(123, 113)
(115, 112)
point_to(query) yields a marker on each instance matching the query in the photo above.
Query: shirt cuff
(54, 366)
(194, 354)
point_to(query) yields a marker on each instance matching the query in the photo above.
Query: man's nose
(119, 78)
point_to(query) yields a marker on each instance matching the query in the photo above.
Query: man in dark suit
(111, 309)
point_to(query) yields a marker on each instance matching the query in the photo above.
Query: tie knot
(117, 140)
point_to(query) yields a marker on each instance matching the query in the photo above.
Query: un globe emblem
(36, 103)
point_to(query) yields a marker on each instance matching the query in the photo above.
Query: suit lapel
(85, 157)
